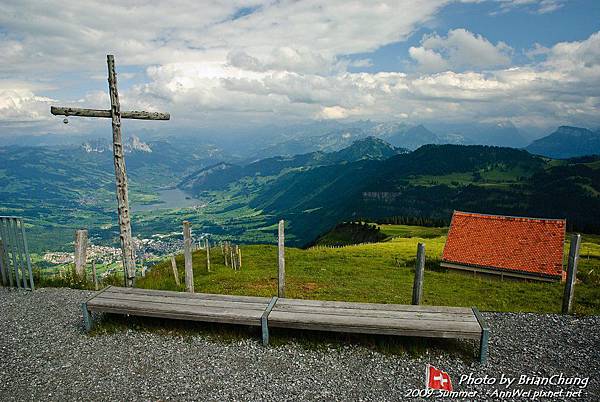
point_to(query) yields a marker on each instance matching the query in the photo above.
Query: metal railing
(15, 262)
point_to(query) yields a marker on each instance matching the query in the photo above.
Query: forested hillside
(432, 182)
(221, 175)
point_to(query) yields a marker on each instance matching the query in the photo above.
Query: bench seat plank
(184, 295)
(380, 314)
(367, 318)
(373, 325)
(210, 314)
(175, 301)
(244, 310)
(374, 306)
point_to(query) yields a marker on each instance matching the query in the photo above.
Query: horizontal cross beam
(139, 115)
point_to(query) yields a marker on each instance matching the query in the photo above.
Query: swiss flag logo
(437, 379)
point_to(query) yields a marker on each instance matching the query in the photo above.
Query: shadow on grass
(309, 340)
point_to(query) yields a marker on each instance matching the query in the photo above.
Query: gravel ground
(45, 355)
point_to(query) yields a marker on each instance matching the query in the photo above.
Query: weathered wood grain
(417, 293)
(3, 267)
(109, 297)
(81, 112)
(6, 251)
(80, 256)
(373, 306)
(207, 255)
(232, 315)
(94, 274)
(383, 314)
(121, 177)
(175, 272)
(187, 254)
(281, 259)
(367, 318)
(336, 323)
(571, 273)
(115, 114)
(170, 293)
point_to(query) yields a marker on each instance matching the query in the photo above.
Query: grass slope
(382, 273)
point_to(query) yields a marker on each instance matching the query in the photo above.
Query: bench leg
(87, 317)
(485, 336)
(264, 321)
(265, 330)
(483, 345)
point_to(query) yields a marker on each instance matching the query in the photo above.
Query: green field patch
(379, 273)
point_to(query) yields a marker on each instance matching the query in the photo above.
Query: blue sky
(521, 28)
(246, 63)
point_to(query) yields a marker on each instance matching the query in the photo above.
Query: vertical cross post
(115, 114)
(121, 177)
(571, 273)
(281, 253)
(80, 257)
(187, 254)
(417, 294)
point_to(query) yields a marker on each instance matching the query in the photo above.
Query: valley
(233, 196)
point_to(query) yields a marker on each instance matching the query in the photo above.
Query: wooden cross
(119, 158)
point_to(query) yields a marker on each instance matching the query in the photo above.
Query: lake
(172, 198)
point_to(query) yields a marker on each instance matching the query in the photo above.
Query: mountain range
(567, 142)
(73, 186)
(249, 144)
(433, 181)
(221, 175)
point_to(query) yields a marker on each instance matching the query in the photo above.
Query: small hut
(527, 248)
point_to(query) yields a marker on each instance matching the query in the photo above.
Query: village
(108, 259)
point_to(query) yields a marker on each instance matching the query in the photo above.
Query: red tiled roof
(504, 242)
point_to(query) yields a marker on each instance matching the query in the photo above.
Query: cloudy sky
(240, 63)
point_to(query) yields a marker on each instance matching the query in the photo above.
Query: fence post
(143, 269)
(28, 257)
(11, 236)
(281, 249)
(6, 251)
(2, 265)
(417, 294)
(207, 255)
(239, 251)
(80, 252)
(20, 257)
(175, 273)
(94, 274)
(571, 273)
(187, 254)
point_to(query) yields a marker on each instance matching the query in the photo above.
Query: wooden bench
(335, 316)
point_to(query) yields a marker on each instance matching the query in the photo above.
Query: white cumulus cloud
(209, 64)
(459, 50)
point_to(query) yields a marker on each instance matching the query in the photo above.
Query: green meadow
(381, 273)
